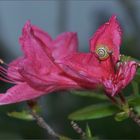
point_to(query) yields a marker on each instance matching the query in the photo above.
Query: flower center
(102, 51)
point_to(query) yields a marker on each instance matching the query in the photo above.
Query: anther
(1, 61)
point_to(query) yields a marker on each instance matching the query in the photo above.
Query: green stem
(130, 113)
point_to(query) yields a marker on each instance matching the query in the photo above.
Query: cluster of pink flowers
(50, 65)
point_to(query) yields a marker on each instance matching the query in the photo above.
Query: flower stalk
(134, 117)
(41, 122)
(78, 129)
(32, 105)
(128, 110)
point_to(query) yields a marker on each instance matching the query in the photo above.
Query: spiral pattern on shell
(102, 52)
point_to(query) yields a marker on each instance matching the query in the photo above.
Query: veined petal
(18, 93)
(44, 38)
(56, 80)
(32, 46)
(129, 70)
(108, 35)
(34, 50)
(64, 45)
(13, 70)
(42, 35)
(115, 83)
(82, 66)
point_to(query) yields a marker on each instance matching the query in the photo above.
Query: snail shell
(102, 52)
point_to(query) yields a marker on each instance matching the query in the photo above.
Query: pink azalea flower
(50, 65)
(100, 64)
(36, 73)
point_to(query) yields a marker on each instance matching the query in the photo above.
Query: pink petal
(32, 46)
(64, 45)
(18, 93)
(34, 50)
(23, 92)
(109, 35)
(56, 80)
(84, 68)
(42, 35)
(129, 71)
(13, 70)
(88, 65)
(123, 77)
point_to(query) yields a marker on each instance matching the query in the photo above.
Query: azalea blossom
(51, 65)
(36, 73)
(101, 63)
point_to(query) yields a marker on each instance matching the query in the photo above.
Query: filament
(3, 74)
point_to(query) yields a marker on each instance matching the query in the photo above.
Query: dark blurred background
(80, 16)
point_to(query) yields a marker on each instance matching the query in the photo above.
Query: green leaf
(89, 94)
(121, 116)
(137, 109)
(137, 76)
(94, 112)
(88, 132)
(134, 100)
(64, 138)
(125, 58)
(24, 115)
(135, 87)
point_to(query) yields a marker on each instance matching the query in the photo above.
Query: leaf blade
(94, 112)
(89, 94)
(23, 115)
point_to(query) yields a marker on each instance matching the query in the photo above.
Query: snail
(102, 52)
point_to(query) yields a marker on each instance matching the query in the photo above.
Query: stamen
(3, 70)
(1, 61)
(6, 80)
(3, 74)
